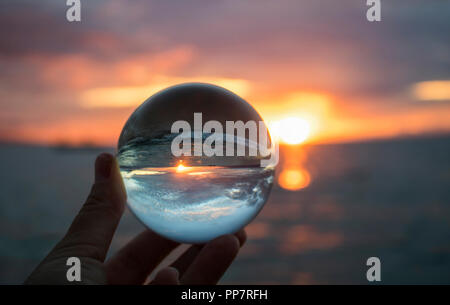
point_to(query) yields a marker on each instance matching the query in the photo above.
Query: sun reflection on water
(293, 175)
(294, 179)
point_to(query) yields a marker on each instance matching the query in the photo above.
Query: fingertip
(103, 166)
(173, 272)
(212, 261)
(108, 180)
(241, 236)
(228, 244)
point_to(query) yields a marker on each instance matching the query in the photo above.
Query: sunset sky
(320, 61)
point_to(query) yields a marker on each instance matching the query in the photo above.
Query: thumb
(92, 230)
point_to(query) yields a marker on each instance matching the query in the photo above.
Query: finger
(93, 228)
(212, 261)
(134, 262)
(186, 259)
(167, 276)
(241, 236)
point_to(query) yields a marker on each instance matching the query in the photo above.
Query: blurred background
(362, 110)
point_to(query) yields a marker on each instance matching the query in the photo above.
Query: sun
(290, 130)
(181, 167)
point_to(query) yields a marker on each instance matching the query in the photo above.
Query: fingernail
(174, 271)
(241, 236)
(103, 166)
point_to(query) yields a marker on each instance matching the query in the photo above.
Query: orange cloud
(89, 129)
(432, 90)
(133, 96)
(81, 72)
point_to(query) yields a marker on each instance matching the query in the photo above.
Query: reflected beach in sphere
(191, 198)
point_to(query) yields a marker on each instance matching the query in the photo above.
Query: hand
(90, 235)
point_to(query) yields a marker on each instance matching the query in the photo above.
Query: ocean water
(389, 199)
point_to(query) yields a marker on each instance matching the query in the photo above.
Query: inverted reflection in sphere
(192, 198)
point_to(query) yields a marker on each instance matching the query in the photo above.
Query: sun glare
(181, 168)
(291, 130)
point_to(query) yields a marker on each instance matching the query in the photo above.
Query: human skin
(92, 230)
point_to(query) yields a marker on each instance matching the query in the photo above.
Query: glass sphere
(193, 196)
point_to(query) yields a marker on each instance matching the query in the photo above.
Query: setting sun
(181, 168)
(291, 130)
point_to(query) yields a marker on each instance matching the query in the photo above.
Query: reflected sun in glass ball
(189, 176)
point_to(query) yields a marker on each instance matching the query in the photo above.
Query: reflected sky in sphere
(190, 199)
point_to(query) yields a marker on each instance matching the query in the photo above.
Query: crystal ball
(197, 180)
